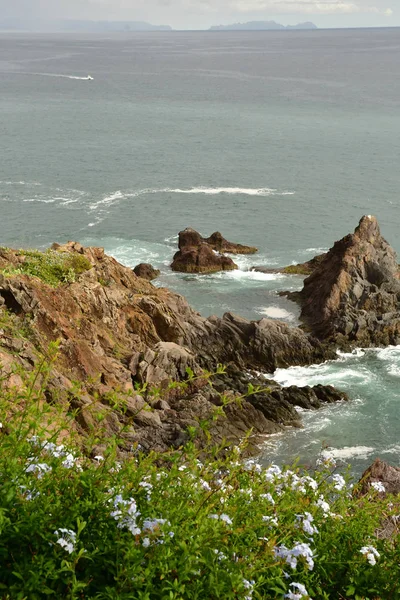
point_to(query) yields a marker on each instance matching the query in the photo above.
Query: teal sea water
(278, 139)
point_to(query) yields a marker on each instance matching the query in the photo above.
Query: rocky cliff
(353, 295)
(116, 331)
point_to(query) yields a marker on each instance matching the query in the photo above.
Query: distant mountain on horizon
(77, 26)
(261, 26)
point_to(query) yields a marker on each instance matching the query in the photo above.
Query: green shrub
(174, 526)
(51, 266)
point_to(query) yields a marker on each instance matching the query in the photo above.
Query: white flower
(126, 514)
(297, 596)
(321, 503)
(327, 459)
(291, 556)
(205, 485)
(378, 486)
(39, 468)
(307, 519)
(271, 520)
(69, 461)
(339, 482)
(249, 586)
(98, 458)
(220, 555)
(225, 518)
(67, 539)
(146, 542)
(273, 472)
(371, 554)
(267, 497)
(153, 524)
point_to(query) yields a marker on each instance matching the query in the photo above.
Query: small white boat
(89, 78)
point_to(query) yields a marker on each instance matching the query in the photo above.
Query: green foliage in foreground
(51, 266)
(182, 526)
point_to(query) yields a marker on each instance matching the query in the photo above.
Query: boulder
(146, 271)
(201, 259)
(353, 295)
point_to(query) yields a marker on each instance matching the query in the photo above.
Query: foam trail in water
(60, 75)
(115, 197)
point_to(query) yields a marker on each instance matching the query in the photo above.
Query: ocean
(281, 140)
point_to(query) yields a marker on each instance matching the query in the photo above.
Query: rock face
(196, 256)
(146, 271)
(381, 472)
(116, 331)
(353, 296)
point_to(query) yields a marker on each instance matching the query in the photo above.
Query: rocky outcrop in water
(146, 271)
(220, 244)
(353, 296)
(206, 255)
(117, 331)
(196, 256)
(305, 268)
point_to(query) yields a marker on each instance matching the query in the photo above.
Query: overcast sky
(198, 14)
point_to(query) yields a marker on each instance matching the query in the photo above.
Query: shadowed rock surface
(116, 331)
(146, 271)
(352, 297)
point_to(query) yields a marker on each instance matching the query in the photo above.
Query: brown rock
(381, 472)
(220, 244)
(146, 271)
(198, 255)
(201, 259)
(353, 295)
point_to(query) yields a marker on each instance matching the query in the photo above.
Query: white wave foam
(62, 76)
(208, 191)
(30, 183)
(351, 452)
(214, 191)
(275, 312)
(40, 199)
(238, 274)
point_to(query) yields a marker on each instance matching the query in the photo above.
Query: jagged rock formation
(196, 256)
(220, 244)
(353, 296)
(146, 271)
(116, 330)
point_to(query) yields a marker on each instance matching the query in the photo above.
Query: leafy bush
(51, 266)
(182, 525)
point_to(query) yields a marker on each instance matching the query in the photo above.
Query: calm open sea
(278, 139)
